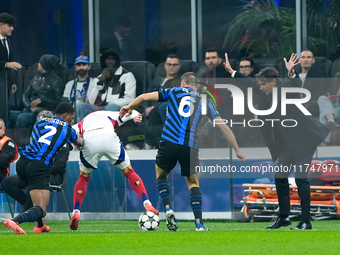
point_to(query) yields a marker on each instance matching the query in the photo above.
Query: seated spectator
(8, 151)
(329, 110)
(246, 66)
(212, 70)
(157, 111)
(116, 86)
(43, 93)
(14, 186)
(309, 76)
(77, 91)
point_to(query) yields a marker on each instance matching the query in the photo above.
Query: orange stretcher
(260, 201)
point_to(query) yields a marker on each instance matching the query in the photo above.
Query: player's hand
(293, 61)
(125, 110)
(227, 65)
(241, 156)
(138, 118)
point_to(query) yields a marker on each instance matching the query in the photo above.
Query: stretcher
(260, 201)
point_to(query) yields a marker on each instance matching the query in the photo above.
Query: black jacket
(49, 88)
(302, 139)
(317, 83)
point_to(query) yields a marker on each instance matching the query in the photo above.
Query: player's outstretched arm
(153, 96)
(229, 135)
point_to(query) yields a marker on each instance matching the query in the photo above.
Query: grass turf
(125, 237)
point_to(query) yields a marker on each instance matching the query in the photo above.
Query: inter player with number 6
(48, 136)
(179, 142)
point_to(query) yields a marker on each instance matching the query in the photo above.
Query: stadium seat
(277, 63)
(8, 202)
(15, 99)
(60, 188)
(143, 72)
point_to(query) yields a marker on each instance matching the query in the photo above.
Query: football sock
(80, 191)
(137, 184)
(196, 203)
(39, 223)
(32, 214)
(163, 191)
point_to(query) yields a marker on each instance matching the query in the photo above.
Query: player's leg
(163, 187)
(78, 196)
(88, 160)
(164, 193)
(196, 201)
(118, 156)
(137, 185)
(166, 160)
(38, 185)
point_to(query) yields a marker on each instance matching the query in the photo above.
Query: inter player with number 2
(179, 141)
(48, 136)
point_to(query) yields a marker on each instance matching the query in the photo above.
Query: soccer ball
(148, 221)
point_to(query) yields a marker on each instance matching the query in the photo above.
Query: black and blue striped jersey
(48, 136)
(184, 113)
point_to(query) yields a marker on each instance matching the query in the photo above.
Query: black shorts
(169, 153)
(34, 172)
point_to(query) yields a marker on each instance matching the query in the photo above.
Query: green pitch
(125, 237)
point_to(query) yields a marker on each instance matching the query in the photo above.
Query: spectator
(156, 111)
(7, 23)
(208, 74)
(309, 76)
(246, 66)
(116, 87)
(78, 91)
(121, 40)
(14, 186)
(329, 107)
(43, 93)
(8, 151)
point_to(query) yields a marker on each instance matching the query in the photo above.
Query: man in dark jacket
(7, 84)
(292, 146)
(313, 79)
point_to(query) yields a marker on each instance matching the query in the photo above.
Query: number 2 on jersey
(52, 131)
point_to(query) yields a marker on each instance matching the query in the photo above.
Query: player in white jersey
(100, 139)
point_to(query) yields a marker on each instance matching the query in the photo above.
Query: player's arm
(79, 142)
(229, 135)
(75, 139)
(153, 96)
(135, 116)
